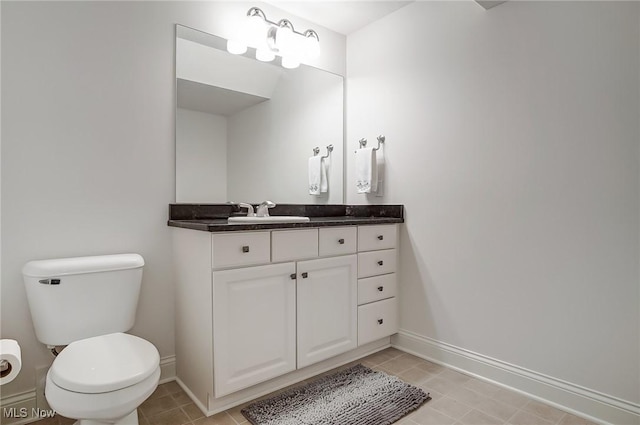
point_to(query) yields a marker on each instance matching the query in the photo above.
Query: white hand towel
(324, 175)
(380, 164)
(315, 175)
(366, 171)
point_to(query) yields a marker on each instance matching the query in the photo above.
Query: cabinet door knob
(380, 321)
(380, 262)
(380, 288)
(292, 276)
(245, 248)
(341, 241)
(380, 237)
(305, 275)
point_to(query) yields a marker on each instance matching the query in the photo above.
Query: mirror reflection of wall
(245, 129)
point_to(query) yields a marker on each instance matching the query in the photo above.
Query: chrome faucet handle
(249, 208)
(263, 209)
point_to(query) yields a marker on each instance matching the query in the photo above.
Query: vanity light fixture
(275, 38)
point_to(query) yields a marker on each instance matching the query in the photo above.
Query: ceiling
(343, 17)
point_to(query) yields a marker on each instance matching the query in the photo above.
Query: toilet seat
(104, 363)
(109, 408)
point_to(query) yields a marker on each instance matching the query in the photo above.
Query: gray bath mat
(354, 396)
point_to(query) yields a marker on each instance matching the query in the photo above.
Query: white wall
(201, 156)
(270, 143)
(512, 140)
(88, 96)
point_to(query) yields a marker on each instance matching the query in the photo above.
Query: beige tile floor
(457, 399)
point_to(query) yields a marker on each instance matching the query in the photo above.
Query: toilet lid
(104, 363)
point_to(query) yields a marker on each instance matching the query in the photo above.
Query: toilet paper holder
(10, 360)
(5, 367)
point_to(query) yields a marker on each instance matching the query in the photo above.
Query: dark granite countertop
(221, 224)
(213, 217)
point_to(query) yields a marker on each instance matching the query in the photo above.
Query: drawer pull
(292, 276)
(380, 288)
(380, 321)
(245, 248)
(305, 275)
(341, 241)
(380, 237)
(380, 262)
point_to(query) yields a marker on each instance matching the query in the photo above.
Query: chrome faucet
(263, 209)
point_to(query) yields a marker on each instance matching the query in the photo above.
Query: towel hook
(316, 151)
(363, 142)
(329, 150)
(381, 139)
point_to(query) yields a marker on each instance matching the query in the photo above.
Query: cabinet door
(254, 328)
(327, 308)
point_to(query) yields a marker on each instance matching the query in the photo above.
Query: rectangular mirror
(245, 129)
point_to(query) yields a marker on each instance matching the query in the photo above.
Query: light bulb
(265, 55)
(285, 41)
(311, 48)
(289, 62)
(236, 47)
(255, 30)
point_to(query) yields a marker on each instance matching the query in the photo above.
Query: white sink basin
(269, 219)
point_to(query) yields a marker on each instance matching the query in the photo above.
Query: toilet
(87, 304)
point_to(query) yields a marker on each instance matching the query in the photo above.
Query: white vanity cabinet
(258, 310)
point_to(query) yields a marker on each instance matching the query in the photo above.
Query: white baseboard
(580, 401)
(167, 369)
(19, 409)
(192, 396)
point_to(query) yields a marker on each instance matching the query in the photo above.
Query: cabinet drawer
(377, 320)
(376, 288)
(287, 245)
(240, 249)
(377, 237)
(376, 262)
(337, 241)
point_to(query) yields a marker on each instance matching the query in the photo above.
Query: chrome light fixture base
(271, 38)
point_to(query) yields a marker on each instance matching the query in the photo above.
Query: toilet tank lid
(80, 265)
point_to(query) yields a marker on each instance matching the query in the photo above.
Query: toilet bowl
(103, 379)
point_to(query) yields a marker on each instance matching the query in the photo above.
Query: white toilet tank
(77, 298)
